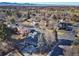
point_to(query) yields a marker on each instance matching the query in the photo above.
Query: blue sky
(60, 3)
(55, 2)
(33, 1)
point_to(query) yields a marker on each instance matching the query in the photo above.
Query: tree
(54, 17)
(3, 31)
(76, 42)
(9, 13)
(28, 15)
(12, 20)
(18, 14)
(56, 35)
(75, 18)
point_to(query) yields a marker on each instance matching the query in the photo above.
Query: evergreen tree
(56, 35)
(76, 42)
(28, 15)
(2, 31)
(12, 21)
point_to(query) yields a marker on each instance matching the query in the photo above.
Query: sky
(56, 2)
(38, 1)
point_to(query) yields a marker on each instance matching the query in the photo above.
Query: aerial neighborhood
(39, 31)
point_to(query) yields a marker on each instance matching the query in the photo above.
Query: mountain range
(40, 4)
